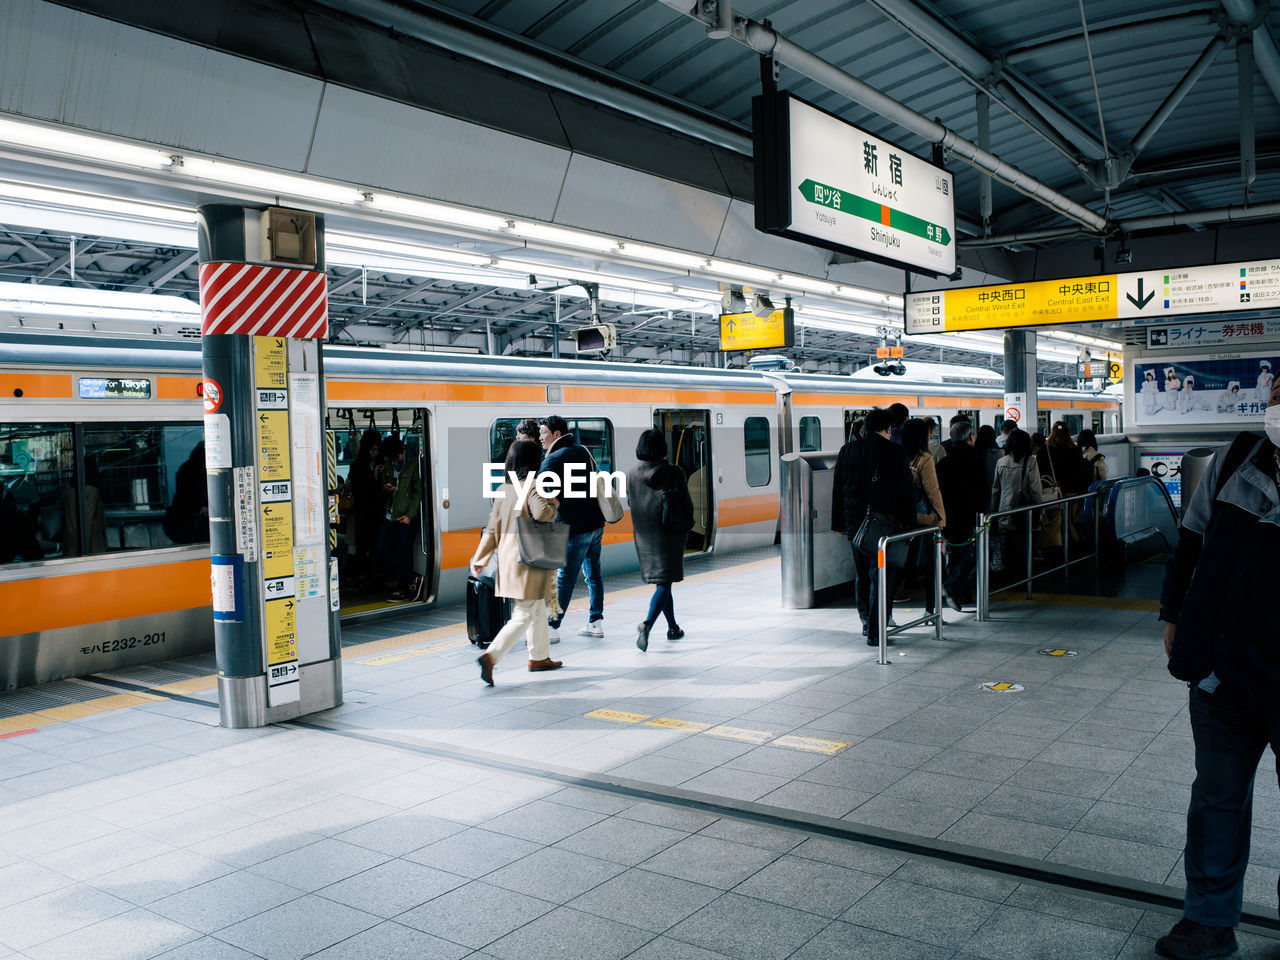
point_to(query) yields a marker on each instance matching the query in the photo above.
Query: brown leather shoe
(547, 664)
(486, 667)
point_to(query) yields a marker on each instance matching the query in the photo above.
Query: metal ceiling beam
(162, 273)
(471, 37)
(1183, 87)
(1033, 107)
(765, 40)
(1173, 26)
(1246, 13)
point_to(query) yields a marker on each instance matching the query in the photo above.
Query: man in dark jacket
(962, 475)
(872, 474)
(1222, 636)
(586, 526)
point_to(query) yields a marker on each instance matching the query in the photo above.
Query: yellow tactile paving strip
(1070, 600)
(72, 711)
(758, 737)
(374, 653)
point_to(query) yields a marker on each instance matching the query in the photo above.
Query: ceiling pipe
(1247, 13)
(477, 40)
(1023, 236)
(766, 41)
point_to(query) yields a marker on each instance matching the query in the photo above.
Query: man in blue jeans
(1222, 637)
(586, 526)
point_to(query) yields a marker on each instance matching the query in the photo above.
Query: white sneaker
(553, 635)
(593, 629)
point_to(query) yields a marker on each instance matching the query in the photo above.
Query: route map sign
(1148, 296)
(826, 182)
(746, 331)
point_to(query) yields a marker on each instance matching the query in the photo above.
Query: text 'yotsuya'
(579, 483)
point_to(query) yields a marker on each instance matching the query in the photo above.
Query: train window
(37, 483)
(596, 434)
(810, 434)
(145, 487)
(755, 440)
(853, 419)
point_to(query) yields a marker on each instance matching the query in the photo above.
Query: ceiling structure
(655, 60)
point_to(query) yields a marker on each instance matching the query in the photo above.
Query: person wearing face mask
(1222, 637)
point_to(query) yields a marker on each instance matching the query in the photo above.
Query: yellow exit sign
(746, 331)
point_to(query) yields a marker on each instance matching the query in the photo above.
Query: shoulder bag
(543, 545)
(876, 525)
(609, 502)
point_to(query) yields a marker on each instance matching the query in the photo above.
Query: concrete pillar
(264, 306)
(1020, 395)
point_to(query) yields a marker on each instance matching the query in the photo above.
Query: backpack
(676, 514)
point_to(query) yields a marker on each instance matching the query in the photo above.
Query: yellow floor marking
(416, 652)
(1057, 653)
(746, 736)
(1069, 600)
(671, 723)
(620, 716)
(184, 688)
(1001, 686)
(74, 711)
(810, 744)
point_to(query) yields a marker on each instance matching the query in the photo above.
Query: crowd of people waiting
(893, 467)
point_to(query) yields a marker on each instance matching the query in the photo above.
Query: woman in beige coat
(930, 511)
(528, 586)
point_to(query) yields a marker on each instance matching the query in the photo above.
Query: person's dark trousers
(862, 585)
(960, 571)
(584, 555)
(395, 550)
(1230, 735)
(663, 603)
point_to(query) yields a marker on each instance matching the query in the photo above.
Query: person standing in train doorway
(586, 527)
(402, 485)
(1222, 636)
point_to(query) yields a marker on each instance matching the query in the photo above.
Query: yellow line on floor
(1071, 600)
(758, 737)
(74, 711)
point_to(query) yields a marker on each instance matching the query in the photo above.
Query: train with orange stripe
(99, 437)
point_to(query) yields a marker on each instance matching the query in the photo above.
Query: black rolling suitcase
(487, 612)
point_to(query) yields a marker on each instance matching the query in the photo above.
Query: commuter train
(97, 574)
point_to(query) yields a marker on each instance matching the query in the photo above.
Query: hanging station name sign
(1149, 296)
(825, 182)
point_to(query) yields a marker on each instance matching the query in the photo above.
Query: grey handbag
(543, 545)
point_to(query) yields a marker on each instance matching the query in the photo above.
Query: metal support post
(940, 547)
(983, 546)
(882, 601)
(1020, 393)
(1030, 525)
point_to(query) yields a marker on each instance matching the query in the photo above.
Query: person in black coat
(962, 474)
(661, 517)
(586, 525)
(872, 474)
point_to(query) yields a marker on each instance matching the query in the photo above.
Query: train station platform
(760, 789)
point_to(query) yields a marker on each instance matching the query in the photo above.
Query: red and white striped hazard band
(263, 301)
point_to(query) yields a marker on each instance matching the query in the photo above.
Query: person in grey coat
(661, 517)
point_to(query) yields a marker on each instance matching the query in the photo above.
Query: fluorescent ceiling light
(660, 255)
(80, 146)
(437, 212)
(33, 299)
(86, 223)
(563, 237)
(410, 267)
(742, 272)
(87, 201)
(411, 251)
(268, 181)
(646, 298)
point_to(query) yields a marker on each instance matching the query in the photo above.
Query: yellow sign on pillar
(746, 331)
(273, 445)
(281, 636)
(270, 357)
(277, 540)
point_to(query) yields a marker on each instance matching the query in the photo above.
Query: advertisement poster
(1167, 468)
(1229, 389)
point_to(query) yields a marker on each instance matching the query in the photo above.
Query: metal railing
(882, 590)
(984, 545)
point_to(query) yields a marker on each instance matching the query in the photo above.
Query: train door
(689, 448)
(374, 556)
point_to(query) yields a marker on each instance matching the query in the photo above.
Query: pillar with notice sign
(1021, 400)
(264, 316)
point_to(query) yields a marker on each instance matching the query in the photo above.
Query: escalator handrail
(1128, 483)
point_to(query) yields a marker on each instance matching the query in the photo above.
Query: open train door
(688, 438)
(367, 541)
